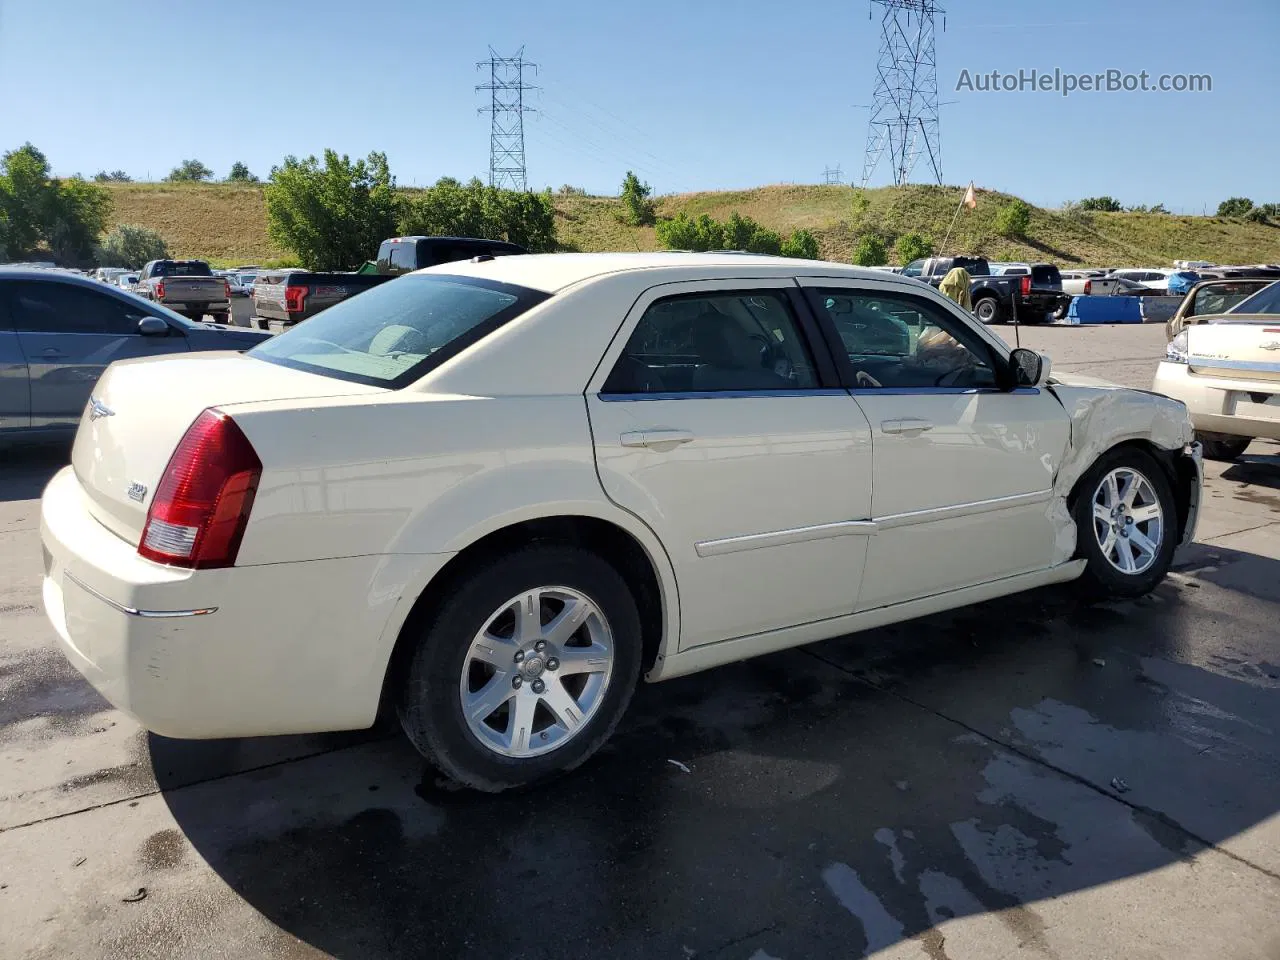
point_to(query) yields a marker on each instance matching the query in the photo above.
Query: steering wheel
(330, 343)
(952, 375)
(864, 379)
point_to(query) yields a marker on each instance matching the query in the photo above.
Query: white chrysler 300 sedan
(496, 493)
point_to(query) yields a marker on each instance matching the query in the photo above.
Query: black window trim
(813, 287)
(526, 299)
(807, 326)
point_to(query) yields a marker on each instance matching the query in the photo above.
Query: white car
(501, 491)
(1154, 278)
(1226, 369)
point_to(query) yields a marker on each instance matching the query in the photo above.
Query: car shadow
(26, 468)
(1262, 470)
(830, 800)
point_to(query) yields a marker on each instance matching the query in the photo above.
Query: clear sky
(692, 94)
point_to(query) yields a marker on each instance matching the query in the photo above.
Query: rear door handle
(660, 440)
(911, 426)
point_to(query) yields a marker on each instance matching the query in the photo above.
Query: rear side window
(1046, 275)
(396, 332)
(713, 343)
(1220, 298)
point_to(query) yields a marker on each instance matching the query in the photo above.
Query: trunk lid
(140, 409)
(194, 288)
(1238, 351)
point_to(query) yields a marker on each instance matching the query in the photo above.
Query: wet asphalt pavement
(1030, 777)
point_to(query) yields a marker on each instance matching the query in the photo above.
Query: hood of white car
(1080, 380)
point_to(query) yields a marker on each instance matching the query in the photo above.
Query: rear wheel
(1223, 446)
(524, 670)
(987, 310)
(220, 317)
(1126, 524)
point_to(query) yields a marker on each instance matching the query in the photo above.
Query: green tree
(473, 209)
(1256, 215)
(1102, 204)
(189, 171)
(1014, 219)
(1270, 210)
(870, 252)
(240, 174)
(115, 176)
(65, 216)
(332, 217)
(859, 204)
(682, 232)
(129, 245)
(1235, 207)
(912, 246)
(637, 207)
(802, 245)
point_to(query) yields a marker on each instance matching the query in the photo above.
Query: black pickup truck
(1028, 298)
(290, 295)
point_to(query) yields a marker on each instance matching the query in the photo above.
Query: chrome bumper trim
(133, 611)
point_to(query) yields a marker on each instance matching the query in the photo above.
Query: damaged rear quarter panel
(1104, 416)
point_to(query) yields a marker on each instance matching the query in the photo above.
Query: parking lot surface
(1030, 777)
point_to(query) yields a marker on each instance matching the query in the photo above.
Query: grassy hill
(227, 222)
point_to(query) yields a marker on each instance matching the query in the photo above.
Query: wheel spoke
(1131, 490)
(528, 618)
(481, 704)
(1109, 543)
(1124, 553)
(1143, 543)
(1145, 512)
(520, 725)
(558, 700)
(493, 650)
(1113, 491)
(1101, 512)
(567, 621)
(592, 659)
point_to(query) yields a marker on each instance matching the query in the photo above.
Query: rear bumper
(247, 651)
(210, 306)
(1219, 405)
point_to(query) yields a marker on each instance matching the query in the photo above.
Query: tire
(221, 317)
(1105, 576)
(987, 310)
(452, 661)
(1223, 446)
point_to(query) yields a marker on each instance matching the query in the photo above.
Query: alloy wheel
(1128, 520)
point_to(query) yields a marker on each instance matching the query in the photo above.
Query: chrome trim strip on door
(134, 611)
(1253, 366)
(962, 510)
(778, 538)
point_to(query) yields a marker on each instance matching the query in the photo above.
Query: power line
(506, 111)
(904, 108)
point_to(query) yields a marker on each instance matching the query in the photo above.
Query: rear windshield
(1266, 300)
(393, 334)
(1045, 274)
(183, 268)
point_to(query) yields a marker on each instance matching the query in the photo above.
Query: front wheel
(1223, 446)
(1126, 524)
(987, 310)
(525, 668)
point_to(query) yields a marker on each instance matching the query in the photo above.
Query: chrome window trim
(134, 611)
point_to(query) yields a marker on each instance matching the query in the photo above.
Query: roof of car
(552, 272)
(49, 273)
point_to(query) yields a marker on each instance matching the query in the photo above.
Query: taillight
(201, 508)
(293, 298)
(1026, 285)
(160, 290)
(1088, 288)
(227, 285)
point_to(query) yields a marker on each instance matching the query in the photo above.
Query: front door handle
(50, 353)
(910, 426)
(660, 440)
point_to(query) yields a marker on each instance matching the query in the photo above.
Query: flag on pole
(971, 197)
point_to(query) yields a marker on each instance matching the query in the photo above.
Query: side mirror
(1030, 369)
(153, 327)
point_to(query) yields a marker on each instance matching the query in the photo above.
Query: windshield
(396, 332)
(1266, 300)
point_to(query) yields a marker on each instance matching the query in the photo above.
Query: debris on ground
(80, 861)
(1119, 785)
(136, 897)
(1099, 662)
(680, 766)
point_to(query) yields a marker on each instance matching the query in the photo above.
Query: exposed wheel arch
(1178, 470)
(610, 541)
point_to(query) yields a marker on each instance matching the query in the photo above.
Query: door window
(895, 340)
(43, 307)
(715, 343)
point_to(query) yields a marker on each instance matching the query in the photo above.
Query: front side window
(396, 332)
(895, 340)
(712, 343)
(913, 269)
(44, 307)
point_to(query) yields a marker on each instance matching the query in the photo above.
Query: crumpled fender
(1102, 416)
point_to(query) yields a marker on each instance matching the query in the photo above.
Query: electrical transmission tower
(506, 111)
(904, 109)
(832, 177)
